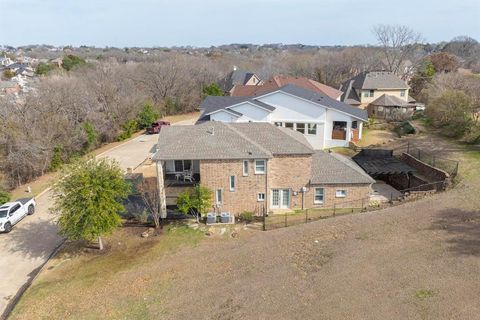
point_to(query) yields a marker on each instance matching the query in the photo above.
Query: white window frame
(315, 201)
(245, 168)
(264, 166)
(216, 196)
(309, 127)
(260, 196)
(344, 195)
(304, 127)
(232, 183)
(402, 93)
(281, 199)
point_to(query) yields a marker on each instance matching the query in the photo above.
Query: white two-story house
(324, 121)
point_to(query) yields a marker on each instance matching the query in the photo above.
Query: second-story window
(260, 166)
(312, 128)
(232, 183)
(301, 127)
(402, 93)
(245, 168)
(371, 93)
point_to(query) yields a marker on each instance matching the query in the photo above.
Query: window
(281, 198)
(245, 168)
(380, 108)
(289, 125)
(260, 166)
(318, 195)
(218, 196)
(278, 124)
(340, 193)
(301, 127)
(261, 197)
(312, 128)
(365, 94)
(14, 208)
(402, 93)
(182, 165)
(371, 93)
(232, 183)
(354, 124)
(275, 198)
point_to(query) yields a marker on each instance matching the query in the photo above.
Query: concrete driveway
(34, 239)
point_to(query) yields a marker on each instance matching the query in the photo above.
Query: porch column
(161, 190)
(360, 129)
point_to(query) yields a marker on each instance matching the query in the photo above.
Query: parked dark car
(156, 126)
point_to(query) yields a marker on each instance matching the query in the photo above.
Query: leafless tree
(148, 189)
(397, 43)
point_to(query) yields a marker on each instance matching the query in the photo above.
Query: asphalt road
(33, 239)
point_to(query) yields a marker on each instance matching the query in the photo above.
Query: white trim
(232, 188)
(341, 196)
(224, 110)
(258, 197)
(264, 166)
(245, 172)
(315, 201)
(216, 196)
(250, 103)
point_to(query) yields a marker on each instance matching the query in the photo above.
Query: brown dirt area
(419, 260)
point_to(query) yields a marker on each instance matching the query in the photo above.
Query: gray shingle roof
(333, 168)
(387, 100)
(228, 141)
(378, 80)
(236, 77)
(215, 103)
(211, 104)
(325, 101)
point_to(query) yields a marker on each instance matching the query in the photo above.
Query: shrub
(4, 197)
(129, 128)
(44, 68)
(196, 201)
(70, 61)
(140, 216)
(212, 90)
(56, 162)
(92, 135)
(404, 128)
(147, 116)
(247, 216)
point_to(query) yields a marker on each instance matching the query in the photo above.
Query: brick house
(254, 167)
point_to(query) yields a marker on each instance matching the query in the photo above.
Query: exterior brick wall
(215, 174)
(289, 172)
(355, 192)
(283, 172)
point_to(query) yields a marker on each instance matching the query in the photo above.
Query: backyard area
(419, 260)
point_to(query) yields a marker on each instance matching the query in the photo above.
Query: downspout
(266, 188)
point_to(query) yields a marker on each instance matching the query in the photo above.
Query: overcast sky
(124, 23)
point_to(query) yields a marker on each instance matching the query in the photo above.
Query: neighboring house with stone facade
(255, 167)
(324, 122)
(382, 93)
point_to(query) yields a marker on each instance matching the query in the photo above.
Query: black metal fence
(275, 221)
(431, 158)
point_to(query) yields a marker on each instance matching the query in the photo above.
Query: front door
(280, 198)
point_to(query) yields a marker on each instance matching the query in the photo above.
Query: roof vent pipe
(212, 131)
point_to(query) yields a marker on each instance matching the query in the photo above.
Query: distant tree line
(104, 95)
